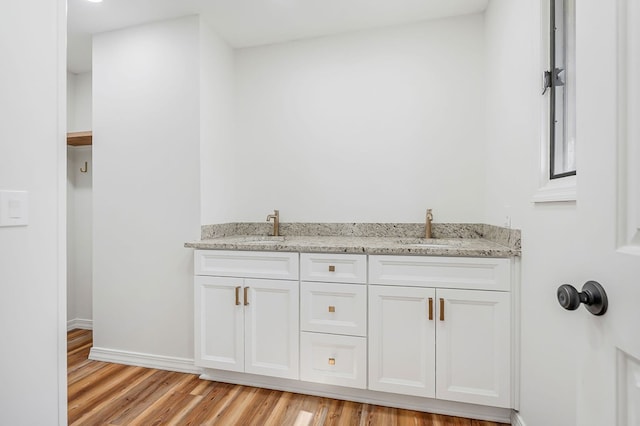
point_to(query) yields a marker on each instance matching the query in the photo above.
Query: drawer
(333, 308)
(343, 268)
(247, 264)
(334, 360)
(474, 273)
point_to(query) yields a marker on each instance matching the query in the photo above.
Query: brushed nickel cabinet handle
(246, 296)
(431, 309)
(237, 296)
(441, 309)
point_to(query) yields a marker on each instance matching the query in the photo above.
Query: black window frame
(553, 78)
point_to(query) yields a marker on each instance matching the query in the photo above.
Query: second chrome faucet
(276, 222)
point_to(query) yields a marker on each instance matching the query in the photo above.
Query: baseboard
(364, 396)
(180, 365)
(79, 323)
(516, 419)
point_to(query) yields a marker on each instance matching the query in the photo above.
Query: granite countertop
(471, 240)
(476, 247)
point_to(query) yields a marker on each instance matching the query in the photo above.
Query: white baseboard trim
(516, 419)
(180, 365)
(449, 408)
(79, 323)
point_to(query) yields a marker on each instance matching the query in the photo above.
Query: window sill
(559, 190)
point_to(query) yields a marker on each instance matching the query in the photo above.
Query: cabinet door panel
(333, 308)
(473, 347)
(249, 264)
(401, 340)
(272, 328)
(333, 359)
(481, 273)
(219, 324)
(336, 268)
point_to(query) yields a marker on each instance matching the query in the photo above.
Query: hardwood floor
(112, 394)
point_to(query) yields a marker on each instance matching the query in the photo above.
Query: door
(401, 340)
(219, 323)
(473, 347)
(271, 328)
(608, 209)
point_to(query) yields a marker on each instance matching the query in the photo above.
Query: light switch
(14, 208)
(15, 212)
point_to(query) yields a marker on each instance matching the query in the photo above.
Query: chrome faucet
(276, 222)
(427, 232)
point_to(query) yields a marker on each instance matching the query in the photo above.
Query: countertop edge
(493, 251)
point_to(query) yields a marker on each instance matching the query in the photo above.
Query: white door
(473, 347)
(271, 328)
(219, 323)
(402, 340)
(608, 207)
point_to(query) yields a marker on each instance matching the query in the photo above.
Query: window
(559, 86)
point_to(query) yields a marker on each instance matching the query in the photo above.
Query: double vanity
(391, 319)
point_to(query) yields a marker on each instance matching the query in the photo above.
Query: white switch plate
(14, 208)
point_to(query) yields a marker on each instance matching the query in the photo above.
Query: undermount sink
(260, 239)
(430, 243)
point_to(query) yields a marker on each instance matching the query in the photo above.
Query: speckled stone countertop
(471, 240)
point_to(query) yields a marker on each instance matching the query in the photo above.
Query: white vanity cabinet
(246, 312)
(333, 319)
(441, 328)
(417, 332)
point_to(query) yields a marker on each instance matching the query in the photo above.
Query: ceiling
(244, 23)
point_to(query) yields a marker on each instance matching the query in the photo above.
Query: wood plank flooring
(112, 394)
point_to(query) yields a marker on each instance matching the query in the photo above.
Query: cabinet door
(401, 340)
(219, 323)
(473, 347)
(272, 328)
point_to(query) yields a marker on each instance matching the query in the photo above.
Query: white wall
(71, 279)
(372, 126)
(146, 186)
(79, 204)
(512, 110)
(82, 102)
(549, 231)
(78, 102)
(217, 156)
(80, 235)
(71, 95)
(32, 258)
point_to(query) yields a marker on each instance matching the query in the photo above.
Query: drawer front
(343, 268)
(335, 360)
(333, 308)
(472, 273)
(247, 264)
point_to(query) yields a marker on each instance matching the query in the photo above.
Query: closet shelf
(79, 138)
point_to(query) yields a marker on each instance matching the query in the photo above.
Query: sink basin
(430, 243)
(260, 240)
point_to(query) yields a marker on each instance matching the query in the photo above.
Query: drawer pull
(430, 308)
(441, 309)
(237, 296)
(332, 308)
(332, 361)
(246, 296)
(332, 268)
